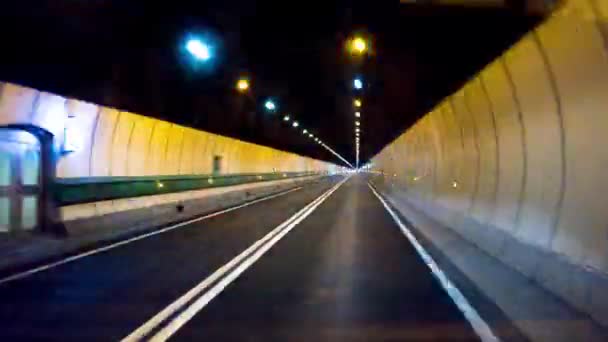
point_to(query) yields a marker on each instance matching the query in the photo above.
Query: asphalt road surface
(323, 263)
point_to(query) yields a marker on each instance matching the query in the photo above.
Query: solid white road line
(479, 325)
(139, 237)
(261, 246)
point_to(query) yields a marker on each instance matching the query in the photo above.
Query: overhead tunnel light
(199, 49)
(242, 85)
(357, 83)
(357, 46)
(270, 105)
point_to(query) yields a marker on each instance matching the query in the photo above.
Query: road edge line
(481, 328)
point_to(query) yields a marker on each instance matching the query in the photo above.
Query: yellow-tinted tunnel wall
(110, 142)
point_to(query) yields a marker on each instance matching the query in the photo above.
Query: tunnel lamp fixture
(295, 124)
(358, 45)
(305, 131)
(310, 136)
(357, 103)
(242, 85)
(357, 130)
(357, 83)
(454, 184)
(199, 49)
(357, 114)
(286, 118)
(357, 123)
(270, 105)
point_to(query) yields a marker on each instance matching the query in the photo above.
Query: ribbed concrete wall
(111, 142)
(516, 160)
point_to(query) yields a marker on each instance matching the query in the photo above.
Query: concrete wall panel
(207, 158)
(17, 104)
(198, 155)
(444, 170)
(121, 143)
(580, 65)
(50, 112)
(81, 124)
(139, 146)
(465, 181)
(232, 147)
(541, 120)
(102, 142)
(511, 156)
(186, 160)
(485, 124)
(157, 150)
(173, 152)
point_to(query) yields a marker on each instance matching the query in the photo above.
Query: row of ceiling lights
(243, 85)
(202, 52)
(357, 46)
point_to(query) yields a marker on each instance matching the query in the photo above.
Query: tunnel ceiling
(127, 54)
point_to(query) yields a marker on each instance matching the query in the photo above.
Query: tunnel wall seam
(475, 191)
(129, 146)
(490, 107)
(112, 138)
(520, 120)
(559, 112)
(93, 131)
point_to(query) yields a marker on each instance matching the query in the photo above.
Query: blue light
(358, 83)
(270, 105)
(198, 49)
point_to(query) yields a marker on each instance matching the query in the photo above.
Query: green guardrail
(92, 189)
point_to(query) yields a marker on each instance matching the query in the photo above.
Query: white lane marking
(147, 327)
(267, 242)
(139, 237)
(479, 325)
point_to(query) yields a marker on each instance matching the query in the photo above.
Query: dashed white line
(481, 328)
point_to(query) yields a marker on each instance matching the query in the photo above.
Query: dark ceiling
(128, 54)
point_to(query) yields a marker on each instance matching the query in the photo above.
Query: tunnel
(480, 218)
